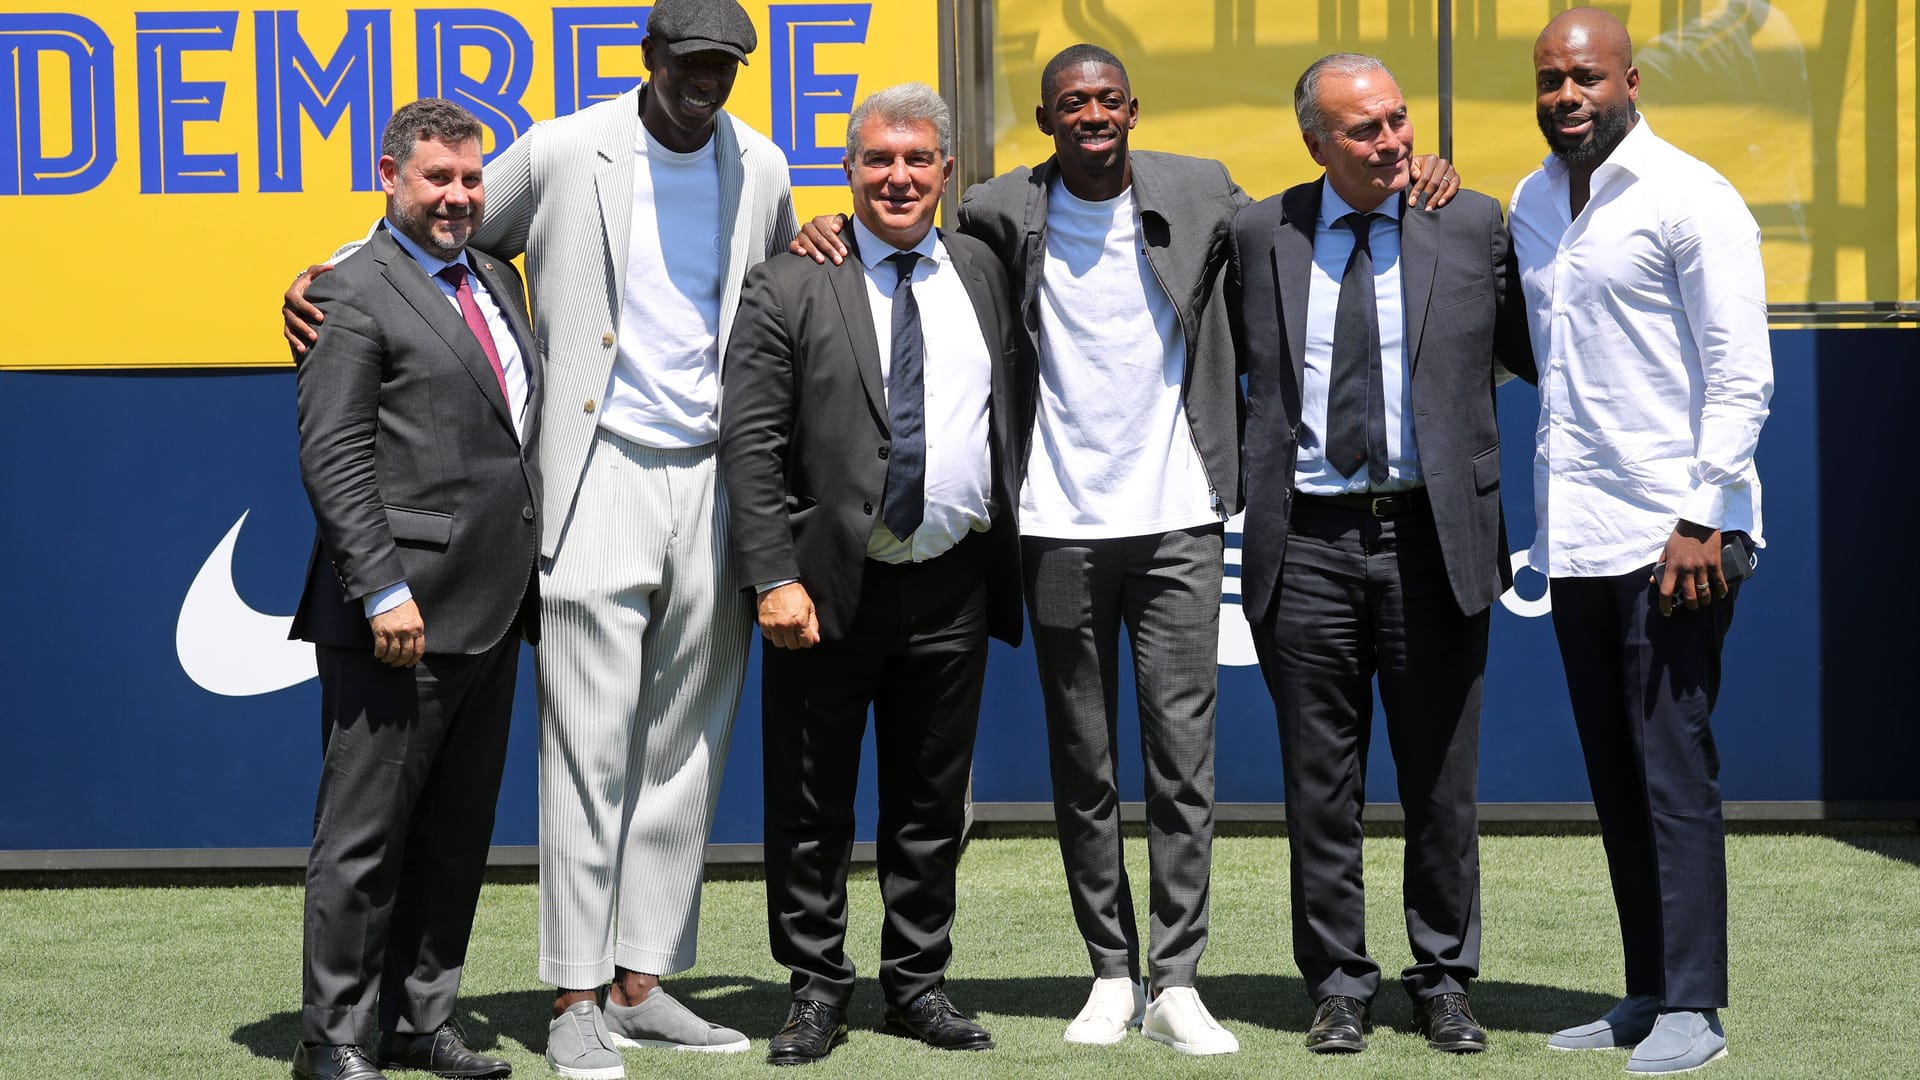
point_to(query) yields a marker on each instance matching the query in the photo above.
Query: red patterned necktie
(455, 274)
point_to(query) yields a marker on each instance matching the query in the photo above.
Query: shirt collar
(432, 264)
(874, 251)
(1333, 207)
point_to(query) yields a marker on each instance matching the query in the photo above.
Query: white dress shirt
(1648, 314)
(957, 381)
(1112, 453)
(1332, 246)
(504, 345)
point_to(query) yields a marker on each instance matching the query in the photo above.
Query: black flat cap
(691, 26)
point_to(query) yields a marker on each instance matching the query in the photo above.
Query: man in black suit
(416, 409)
(1374, 540)
(867, 441)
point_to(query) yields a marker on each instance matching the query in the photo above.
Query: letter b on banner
(26, 166)
(441, 33)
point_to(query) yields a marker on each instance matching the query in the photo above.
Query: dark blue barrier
(120, 488)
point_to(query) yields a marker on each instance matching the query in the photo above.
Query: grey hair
(902, 106)
(1306, 92)
(436, 119)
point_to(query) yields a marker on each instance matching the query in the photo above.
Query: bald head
(1585, 86)
(1589, 28)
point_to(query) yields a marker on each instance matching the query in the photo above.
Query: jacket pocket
(429, 528)
(1486, 470)
(1460, 294)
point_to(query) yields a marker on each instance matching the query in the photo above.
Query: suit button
(883, 453)
(606, 340)
(526, 513)
(588, 407)
(867, 509)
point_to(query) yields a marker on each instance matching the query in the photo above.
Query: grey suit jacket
(1465, 320)
(563, 195)
(410, 459)
(1186, 210)
(803, 430)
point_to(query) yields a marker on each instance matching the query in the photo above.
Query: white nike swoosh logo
(228, 648)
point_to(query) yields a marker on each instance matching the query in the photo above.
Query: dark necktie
(455, 275)
(905, 503)
(1356, 400)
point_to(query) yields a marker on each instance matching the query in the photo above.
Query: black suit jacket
(410, 458)
(803, 429)
(1464, 319)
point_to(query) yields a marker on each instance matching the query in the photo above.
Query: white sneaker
(1114, 1006)
(1177, 1018)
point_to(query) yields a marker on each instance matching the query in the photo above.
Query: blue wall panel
(118, 487)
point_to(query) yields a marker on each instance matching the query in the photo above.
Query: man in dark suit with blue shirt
(1372, 339)
(867, 435)
(416, 411)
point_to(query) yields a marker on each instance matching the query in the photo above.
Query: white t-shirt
(665, 389)
(1112, 454)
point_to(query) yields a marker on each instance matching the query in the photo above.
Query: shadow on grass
(1279, 1002)
(757, 1007)
(1904, 848)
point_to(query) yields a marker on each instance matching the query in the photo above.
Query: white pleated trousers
(644, 638)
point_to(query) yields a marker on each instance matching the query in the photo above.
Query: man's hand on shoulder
(399, 636)
(1689, 568)
(787, 617)
(300, 320)
(1434, 182)
(820, 241)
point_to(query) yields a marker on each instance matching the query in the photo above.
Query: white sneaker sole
(610, 1072)
(1193, 1049)
(625, 1043)
(1100, 1039)
(1676, 1072)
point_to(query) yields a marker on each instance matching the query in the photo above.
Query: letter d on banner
(25, 168)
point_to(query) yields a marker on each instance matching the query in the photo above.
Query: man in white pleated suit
(639, 218)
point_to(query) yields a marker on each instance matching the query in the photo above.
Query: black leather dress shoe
(812, 1030)
(1449, 1025)
(934, 1020)
(322, 1062)
(1340, 1025)
(444, 1052)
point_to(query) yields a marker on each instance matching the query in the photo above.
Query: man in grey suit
(418, 406)
(639, 217)
(1373, 339)
(868, 441)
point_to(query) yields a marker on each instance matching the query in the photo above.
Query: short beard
(419, 229)
(1609, 127)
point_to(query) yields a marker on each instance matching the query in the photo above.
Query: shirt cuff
(387, 599)
(762, 590)
(1705, 504)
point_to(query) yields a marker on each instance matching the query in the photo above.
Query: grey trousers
(1165, 588)
(644, 637)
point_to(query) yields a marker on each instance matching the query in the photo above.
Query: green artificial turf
(198, 975)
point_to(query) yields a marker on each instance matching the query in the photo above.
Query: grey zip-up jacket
(1186, 216)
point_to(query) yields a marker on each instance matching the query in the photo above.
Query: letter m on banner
(802, 95)
(26, 167)
(355, 85)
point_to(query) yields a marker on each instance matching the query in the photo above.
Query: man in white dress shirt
(866, 442)
(1641, 268)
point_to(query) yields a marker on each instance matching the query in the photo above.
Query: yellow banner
(1807, 106)
(168, 165)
